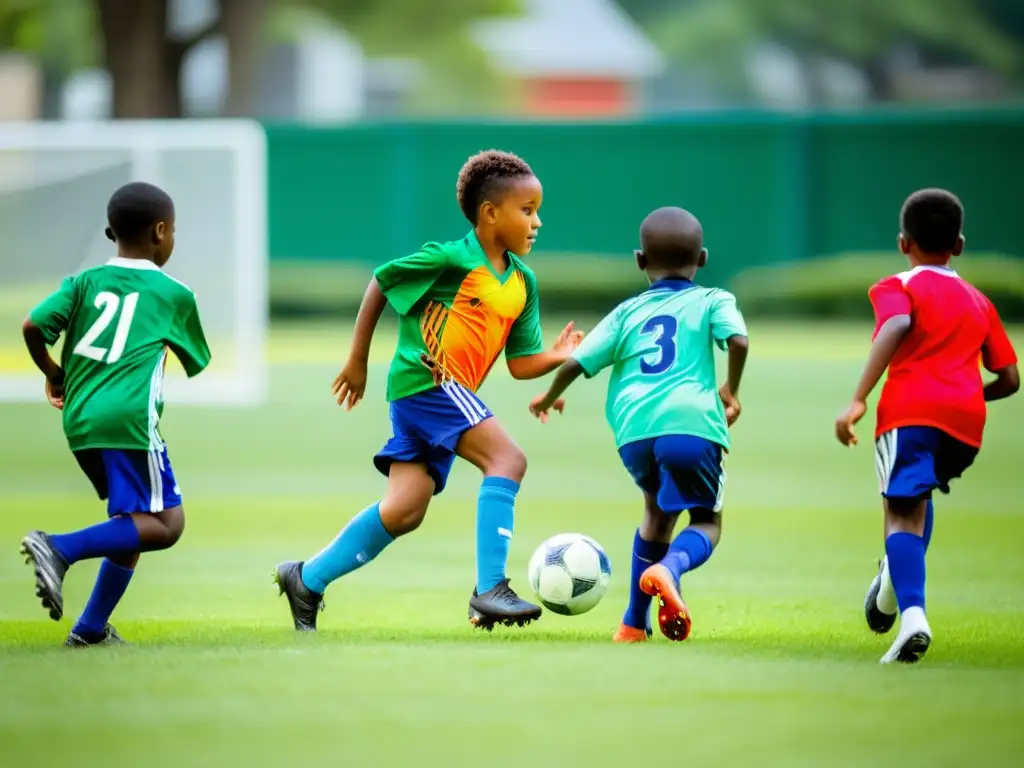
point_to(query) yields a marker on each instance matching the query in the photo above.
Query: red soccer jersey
(935, 376)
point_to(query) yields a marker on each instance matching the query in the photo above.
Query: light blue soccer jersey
(661, 348)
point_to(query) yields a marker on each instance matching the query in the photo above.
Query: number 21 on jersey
(108, 303)
(662, 330)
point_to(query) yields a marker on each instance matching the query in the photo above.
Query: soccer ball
(570, 572)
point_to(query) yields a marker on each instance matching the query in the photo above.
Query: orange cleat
(628, 634)
(673, 616)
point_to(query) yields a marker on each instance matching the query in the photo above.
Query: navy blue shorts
(427, 427)
(131, 481)
(912, 462)
(681, 471)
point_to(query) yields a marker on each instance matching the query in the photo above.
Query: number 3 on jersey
(108, 304)
(663, 330)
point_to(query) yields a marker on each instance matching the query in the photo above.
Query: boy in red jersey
(931, 328)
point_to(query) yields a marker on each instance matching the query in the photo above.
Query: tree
(131, 39)
(862, 33)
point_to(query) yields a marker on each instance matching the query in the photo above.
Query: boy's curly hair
(486, 176)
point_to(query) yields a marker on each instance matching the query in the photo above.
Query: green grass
(780, 669)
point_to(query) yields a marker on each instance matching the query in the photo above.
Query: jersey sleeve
(406, 280)
(998, 351)
(726, 320)
(597, 350)
(889, 299)
(525, 338)
(188, 340)
(53, 314)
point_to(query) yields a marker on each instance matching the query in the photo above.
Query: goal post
(55, 180)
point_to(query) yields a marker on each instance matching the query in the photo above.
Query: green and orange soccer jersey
(456, 314)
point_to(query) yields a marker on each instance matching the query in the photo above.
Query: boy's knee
(173, 521)
(510, 462)
(399, 519)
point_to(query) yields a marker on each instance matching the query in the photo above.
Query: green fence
(769, 188)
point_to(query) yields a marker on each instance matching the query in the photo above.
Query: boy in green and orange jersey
(460, 304)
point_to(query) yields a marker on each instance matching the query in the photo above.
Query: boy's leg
(694, 479)
(144, 504)
(880, 605)
(400, 511)
(650, 544)
(489, 448)
(93, 627)
(905, 550)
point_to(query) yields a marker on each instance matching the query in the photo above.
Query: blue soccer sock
(111, 584)
(359, 542)
(495, 512)
(906, 568)
(689, 551)
(645, 554)
(117, 537)
(929, 521)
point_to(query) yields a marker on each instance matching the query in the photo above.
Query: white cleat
(913, 640)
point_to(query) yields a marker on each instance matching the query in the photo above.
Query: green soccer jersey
(457, 313)
(119, 320)
(660, 346)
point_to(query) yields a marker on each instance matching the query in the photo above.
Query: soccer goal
(55, 180)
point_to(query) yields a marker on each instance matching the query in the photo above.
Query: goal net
(55, 180)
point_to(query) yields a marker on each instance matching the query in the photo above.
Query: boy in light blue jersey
(670, 420)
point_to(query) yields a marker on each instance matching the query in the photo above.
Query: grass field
(780, 669)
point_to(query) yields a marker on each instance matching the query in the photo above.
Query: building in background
(573, 58)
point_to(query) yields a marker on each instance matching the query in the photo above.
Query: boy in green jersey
(460, 304)
(118, 321)
(670, 424)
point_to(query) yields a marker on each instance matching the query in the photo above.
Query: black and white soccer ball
(569, 573)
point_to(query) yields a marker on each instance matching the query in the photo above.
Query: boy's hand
(567, 341)
(55, 393)
(846, 420)
(541, 404)
(350, 384)
(731, 403)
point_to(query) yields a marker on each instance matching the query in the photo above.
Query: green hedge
(569, 282)
(837, 286)
(578, 283)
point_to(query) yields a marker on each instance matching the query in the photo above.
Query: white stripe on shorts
(156, 482)
(885, 458)
(720, 497)
(466, 402)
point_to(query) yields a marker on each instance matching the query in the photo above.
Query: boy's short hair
(134, 209)
(671, 238)
(486, 176)
(934, 219)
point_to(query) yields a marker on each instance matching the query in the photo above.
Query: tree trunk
(135, 52)
(241, 22)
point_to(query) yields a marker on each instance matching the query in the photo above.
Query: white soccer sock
(886, 599)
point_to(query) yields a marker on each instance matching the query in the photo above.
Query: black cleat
(304, 602)
(878, 621)
(501, 605)
(50, 570)
(110, 637)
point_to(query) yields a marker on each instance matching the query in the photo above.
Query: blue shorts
(681, 471)
(911, 462)
(427, 427)
(131, 481)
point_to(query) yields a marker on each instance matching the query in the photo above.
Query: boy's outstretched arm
(569, 371)
(739, 346)
(35, 340)
(350, 384)
(886, 342)
(543, 363)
